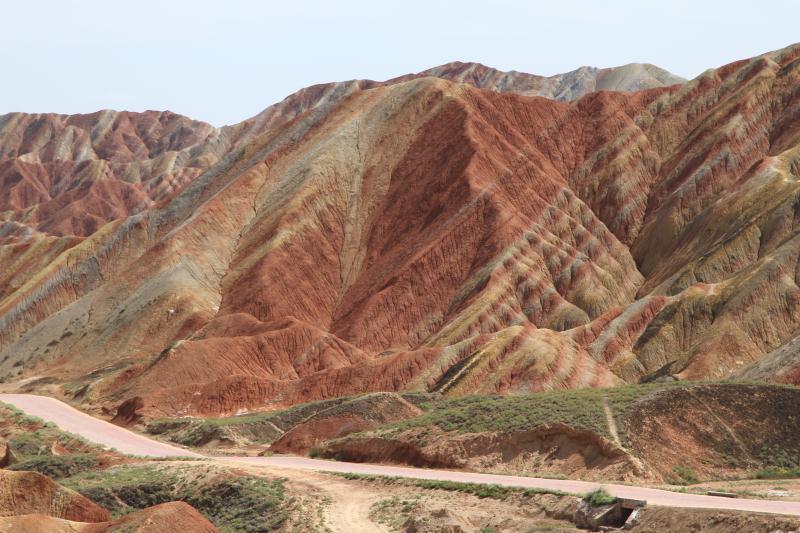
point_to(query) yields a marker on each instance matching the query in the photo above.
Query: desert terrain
(462, 299)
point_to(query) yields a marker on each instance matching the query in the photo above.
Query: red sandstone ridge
(423, 234)
(68, 175)
(23, 493)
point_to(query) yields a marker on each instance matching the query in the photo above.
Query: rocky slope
(68, 175)
(416, 234)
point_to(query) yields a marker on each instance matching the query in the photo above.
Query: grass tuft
(600, 497)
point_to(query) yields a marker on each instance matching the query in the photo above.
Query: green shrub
(123, 499)
(29, 444)
(686, 475)
(600, 497)
(243, 503)
(58, 466)
(497, 492)
(581, 409)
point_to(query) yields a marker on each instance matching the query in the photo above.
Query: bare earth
(105, 433)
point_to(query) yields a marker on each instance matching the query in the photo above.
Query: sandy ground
(332, 503)
(352, 506)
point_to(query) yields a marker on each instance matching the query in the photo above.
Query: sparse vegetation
(393, 511)
(233, 503)
(778, 473)
(686, 476)
(581, 409)
(481, 490)
(58, 466)
(241, 503)
(255, 428)
(497, 492)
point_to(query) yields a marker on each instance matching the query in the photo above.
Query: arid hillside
(673, 433)
(442, 232)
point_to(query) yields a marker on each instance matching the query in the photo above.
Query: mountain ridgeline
(461, 230)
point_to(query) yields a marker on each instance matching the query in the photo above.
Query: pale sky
(225, 60)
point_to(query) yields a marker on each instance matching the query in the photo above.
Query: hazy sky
(225, 60)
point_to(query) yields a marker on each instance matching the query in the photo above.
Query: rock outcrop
(7, 455)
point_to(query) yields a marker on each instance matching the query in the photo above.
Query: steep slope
(369, 249)
(429, 235)
(69, 175)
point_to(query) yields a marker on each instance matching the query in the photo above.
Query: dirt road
(74, 421)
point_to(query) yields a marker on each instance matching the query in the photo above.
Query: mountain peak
(567, 86)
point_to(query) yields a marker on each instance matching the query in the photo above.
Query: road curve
(92, 429)
(107, 434)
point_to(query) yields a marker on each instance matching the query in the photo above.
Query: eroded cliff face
(69, 175)
(414, 234)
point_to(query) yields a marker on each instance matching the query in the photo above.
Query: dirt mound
(359, 414)
(172, 517)
(556, 449)
(712, 431)
(29, 492)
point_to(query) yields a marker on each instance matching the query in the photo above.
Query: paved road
(92, 429)
(105, 433)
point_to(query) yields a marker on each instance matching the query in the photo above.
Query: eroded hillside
(418, 234)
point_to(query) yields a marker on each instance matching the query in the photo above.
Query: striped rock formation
(416, 234)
